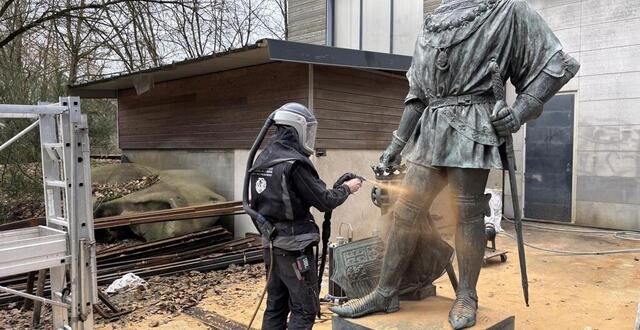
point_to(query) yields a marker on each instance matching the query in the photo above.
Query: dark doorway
(548, 162)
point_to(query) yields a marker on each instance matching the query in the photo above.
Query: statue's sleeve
(416, 92)
(534, 45)
(415, 89)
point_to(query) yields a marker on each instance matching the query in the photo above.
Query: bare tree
(46, 45)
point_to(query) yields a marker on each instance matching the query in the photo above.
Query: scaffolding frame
(66, 244)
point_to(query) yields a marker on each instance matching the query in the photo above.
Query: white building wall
(347, 24)
(387, 26)
(376, 25)
(603, 36)
(407, 21)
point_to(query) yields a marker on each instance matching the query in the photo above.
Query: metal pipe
(18, 115)
(48, 109)
(19, 135)
(33, 297)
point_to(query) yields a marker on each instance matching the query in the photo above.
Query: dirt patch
(161, 302)
(567, 292)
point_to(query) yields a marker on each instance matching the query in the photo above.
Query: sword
(499, 92)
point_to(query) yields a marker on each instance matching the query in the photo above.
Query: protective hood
(283, 144)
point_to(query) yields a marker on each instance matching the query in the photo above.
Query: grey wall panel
(308, 21)
(610, 112)
(570, 39)
(608, 164)
(610, 60)
(612, 189)
(562, 17)
(610, 34)
(610, 87)
(614, 138)
(542, 4)
(601, 11)
(608, 215)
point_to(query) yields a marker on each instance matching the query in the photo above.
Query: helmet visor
(310, 137)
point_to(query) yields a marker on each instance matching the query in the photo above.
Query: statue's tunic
(452, 58)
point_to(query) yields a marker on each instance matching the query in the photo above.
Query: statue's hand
(390, 158)
(505, 121)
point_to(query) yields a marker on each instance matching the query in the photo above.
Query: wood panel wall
(222, 110)
(356, 109)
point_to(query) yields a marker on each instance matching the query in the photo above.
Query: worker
(284, 186)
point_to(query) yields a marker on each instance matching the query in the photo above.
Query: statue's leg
(419, 188)
(468, 186)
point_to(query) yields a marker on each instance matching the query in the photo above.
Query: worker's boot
(401, 245)
(470, 244)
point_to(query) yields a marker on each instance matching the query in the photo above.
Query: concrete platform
(431, 313)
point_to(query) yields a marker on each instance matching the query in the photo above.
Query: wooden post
(37, 307)
(28, 303)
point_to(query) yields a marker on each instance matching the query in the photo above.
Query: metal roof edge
(291, 51)
(276, 50)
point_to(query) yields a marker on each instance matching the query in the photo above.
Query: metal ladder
(66, 175)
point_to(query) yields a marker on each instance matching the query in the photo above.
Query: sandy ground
(566, 292)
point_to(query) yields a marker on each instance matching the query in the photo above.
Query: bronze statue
(454, 127)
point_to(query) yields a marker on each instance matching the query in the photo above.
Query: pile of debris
(168, 296)
(110, 191)
(210, 249)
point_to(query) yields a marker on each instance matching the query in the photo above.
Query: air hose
(264, 291)
(261, 224)
(617, 234)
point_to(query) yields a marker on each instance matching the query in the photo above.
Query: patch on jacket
(261, 185)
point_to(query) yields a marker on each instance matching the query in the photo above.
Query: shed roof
(263, 51)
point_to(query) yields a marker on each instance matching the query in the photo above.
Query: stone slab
(427, 291)
(431, 313)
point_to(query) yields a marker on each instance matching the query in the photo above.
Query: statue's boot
(470, 245)
(371, 303)
(401, 245)
(463, 312)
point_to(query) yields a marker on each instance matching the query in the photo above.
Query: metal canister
(336, 293)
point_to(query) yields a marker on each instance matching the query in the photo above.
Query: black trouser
(287, 293)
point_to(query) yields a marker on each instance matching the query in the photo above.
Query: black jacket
(285, 185)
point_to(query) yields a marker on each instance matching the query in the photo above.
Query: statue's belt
(435, 103)
(482, 133)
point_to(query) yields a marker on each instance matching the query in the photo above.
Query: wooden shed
(204, 113)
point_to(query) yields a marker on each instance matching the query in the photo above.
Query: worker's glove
(505, 121)
(344, 178)
(352, 181)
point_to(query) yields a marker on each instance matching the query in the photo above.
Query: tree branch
(48, 16)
